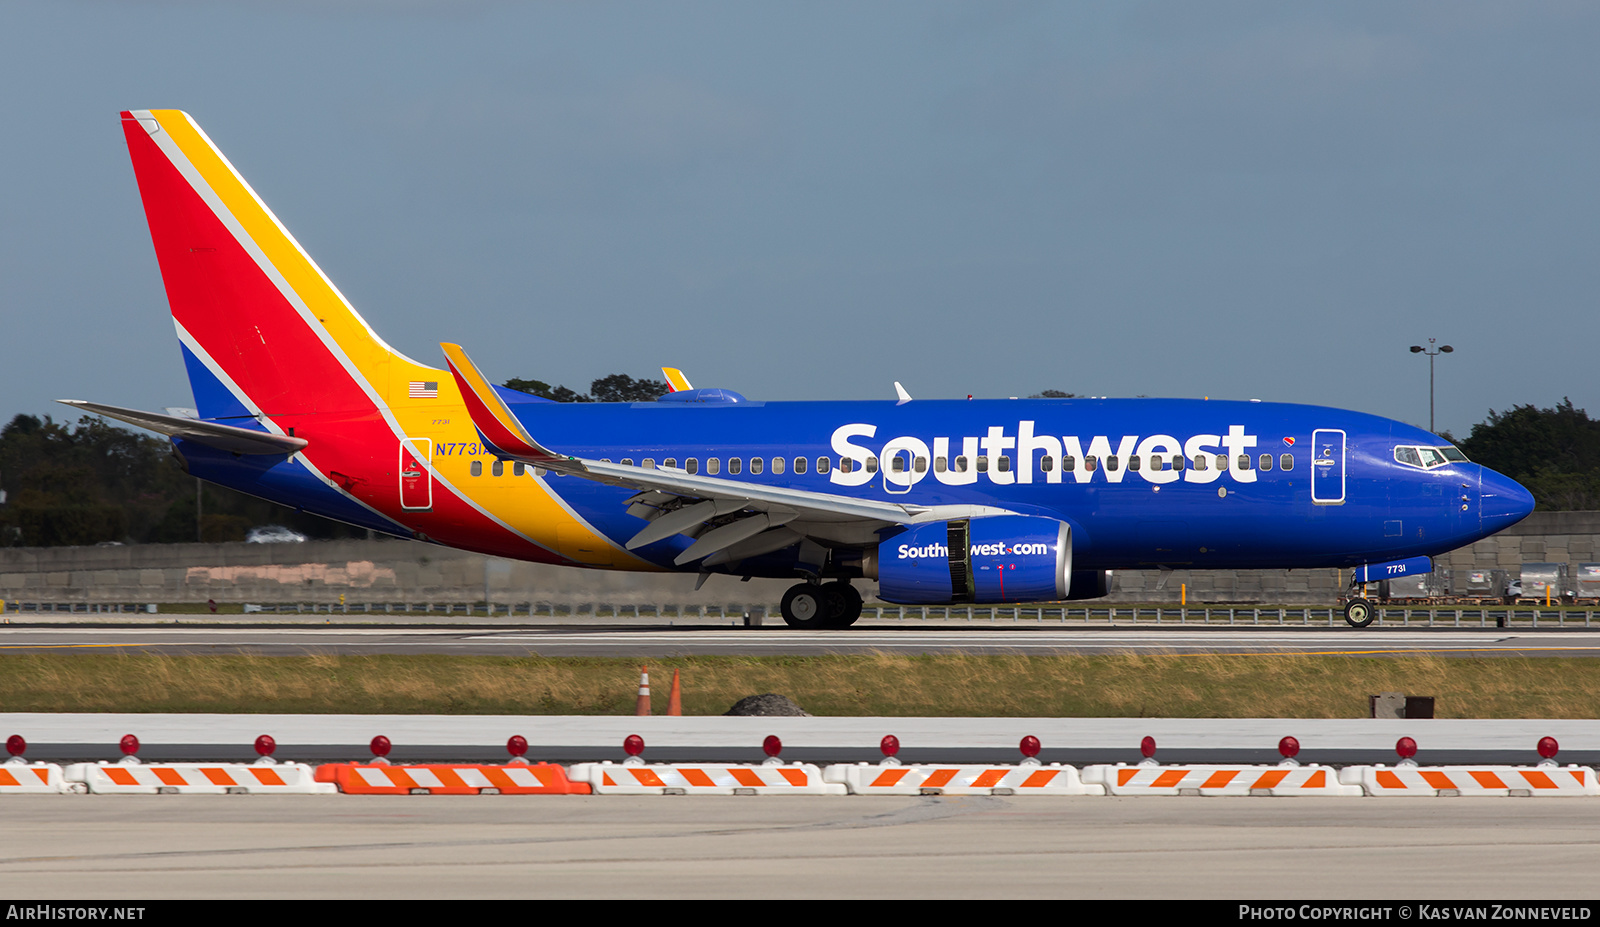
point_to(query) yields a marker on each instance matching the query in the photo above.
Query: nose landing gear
(1358, 612)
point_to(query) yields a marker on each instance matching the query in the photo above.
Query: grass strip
(958, 685)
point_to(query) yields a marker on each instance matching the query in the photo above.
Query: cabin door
(1327, 466)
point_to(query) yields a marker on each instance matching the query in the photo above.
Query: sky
(812, 200)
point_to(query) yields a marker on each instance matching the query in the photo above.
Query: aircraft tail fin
(264, 332)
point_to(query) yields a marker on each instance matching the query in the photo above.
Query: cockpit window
(1431, 457)
(1426, 458)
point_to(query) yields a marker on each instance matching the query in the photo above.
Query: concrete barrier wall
(398, 572)
(380, 572)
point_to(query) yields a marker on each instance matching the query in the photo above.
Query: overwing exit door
(416, 479)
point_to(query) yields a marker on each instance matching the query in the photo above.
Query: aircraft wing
(224, 437)
(730, 520)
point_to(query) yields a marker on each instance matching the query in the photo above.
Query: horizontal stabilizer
(212, 434)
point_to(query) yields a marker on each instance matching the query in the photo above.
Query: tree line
(92, 482)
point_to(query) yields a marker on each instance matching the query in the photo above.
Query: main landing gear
(821, 605)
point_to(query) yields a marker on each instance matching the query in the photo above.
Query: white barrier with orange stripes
(451, 779)
(1283, 780)
(24, 778)
(704, 779)
(1521, 781)
(197, 778)
(1026, 779)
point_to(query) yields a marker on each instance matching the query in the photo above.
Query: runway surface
(170, 846)
(655, 641)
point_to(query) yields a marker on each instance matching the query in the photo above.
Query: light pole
(1432, 353)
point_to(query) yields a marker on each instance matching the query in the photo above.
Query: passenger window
(1266, 461)
(872, 465)
(938, 464)
(1222, 461)
(1285, 461)
(846, 465)
(1111, 462)
(649, 463)
(1244, 461)
(897, 464)
(713, 466)
(824, 464)
(1069, 463)
(1200, 462)
(1178, 462)
(477, 468)
(799, 465)
(692, 465)
(777, 465)
(1091, 464)
(1005, 464)
(1047, 463)
(921, 464)
(983, 465)
(671, 463)
(735, 465)
(756, 464)
(518, 468)
(1133, 462)
(499, 468)
(961, 464)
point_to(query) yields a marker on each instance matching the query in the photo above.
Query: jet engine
(996, 558)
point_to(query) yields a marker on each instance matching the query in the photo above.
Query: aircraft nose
(1503, 501)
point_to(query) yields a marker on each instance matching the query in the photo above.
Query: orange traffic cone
(642, 708)
(675, 700)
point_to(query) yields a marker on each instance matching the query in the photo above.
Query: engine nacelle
(997, 558)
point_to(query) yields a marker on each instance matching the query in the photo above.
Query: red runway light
(517, 745)
(380, 745)
(633, 745)
(1029, 746)
(1406, 747)
(1289, 747)
(265, 745)
(15, 745)
(890, 745)
(1548, 747)
(772, 745)
(129, 744)
(1147, 747)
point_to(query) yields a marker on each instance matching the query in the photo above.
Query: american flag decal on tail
(424, 389)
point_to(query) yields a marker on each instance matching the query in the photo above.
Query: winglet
(495, 423)
(900, 391)
(676, 381)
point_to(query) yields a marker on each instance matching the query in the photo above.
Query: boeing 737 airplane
(299, 401)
